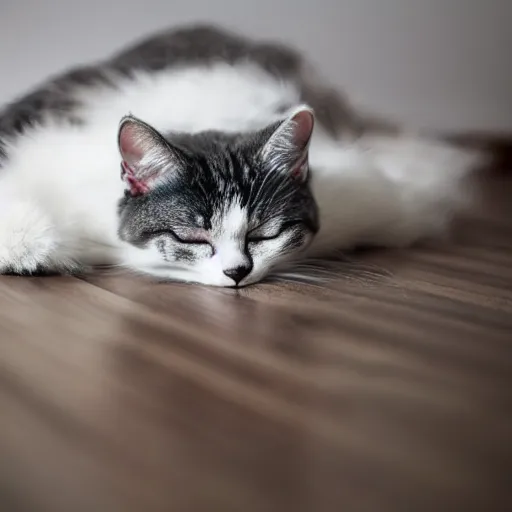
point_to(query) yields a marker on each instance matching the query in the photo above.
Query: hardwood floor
(388, 388)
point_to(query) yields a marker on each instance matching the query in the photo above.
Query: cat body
(200, 156)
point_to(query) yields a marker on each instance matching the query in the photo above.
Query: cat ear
(145, 154)
(287, 147)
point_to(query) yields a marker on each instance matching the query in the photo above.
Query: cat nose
(238, 273)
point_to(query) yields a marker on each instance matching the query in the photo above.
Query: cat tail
(495, 148)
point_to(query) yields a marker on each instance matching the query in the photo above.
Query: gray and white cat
(235, 161)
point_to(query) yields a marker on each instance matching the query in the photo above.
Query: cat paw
(26, 257)
(27, 240)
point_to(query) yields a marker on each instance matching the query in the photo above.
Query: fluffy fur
(226, 124)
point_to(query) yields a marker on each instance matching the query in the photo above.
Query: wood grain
(387, 388)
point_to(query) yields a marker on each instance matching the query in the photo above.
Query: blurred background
(431, 63)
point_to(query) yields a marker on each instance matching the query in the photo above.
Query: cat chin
(172, 274)
(148, 261)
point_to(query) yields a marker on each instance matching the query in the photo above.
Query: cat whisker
(325, 271)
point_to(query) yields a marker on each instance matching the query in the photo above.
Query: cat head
(215, 208)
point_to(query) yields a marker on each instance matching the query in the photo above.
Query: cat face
(216, 209)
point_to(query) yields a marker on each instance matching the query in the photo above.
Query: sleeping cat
(201, 156)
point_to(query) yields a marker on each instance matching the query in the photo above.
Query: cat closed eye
(178, 238)
(255, 236)
(256, 240)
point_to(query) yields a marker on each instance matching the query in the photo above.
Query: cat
(201, 156)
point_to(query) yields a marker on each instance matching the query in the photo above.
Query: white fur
(60, 186)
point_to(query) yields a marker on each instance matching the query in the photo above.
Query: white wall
(434, 63)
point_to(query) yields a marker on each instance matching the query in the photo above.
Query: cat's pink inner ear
(130, 143)
(300, 169)
(304, 122)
